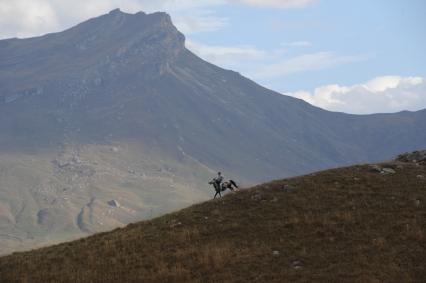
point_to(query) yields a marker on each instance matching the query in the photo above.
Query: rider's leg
(218, 186)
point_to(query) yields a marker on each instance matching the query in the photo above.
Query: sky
(360, 57)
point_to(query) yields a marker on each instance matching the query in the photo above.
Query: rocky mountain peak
(116, 11)
(154, 18)
(147, 35)
(133, 25)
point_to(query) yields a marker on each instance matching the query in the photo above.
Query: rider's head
(219, 173)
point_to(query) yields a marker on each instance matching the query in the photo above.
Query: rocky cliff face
(116, 108)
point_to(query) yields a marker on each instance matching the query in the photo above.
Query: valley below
(48, 197)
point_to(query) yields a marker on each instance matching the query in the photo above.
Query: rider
(218, 180)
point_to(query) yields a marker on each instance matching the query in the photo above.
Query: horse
(225, 185)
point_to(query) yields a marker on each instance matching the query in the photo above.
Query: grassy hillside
(350, 224)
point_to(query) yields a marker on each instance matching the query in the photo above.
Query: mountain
(114, 120)
(362, 223)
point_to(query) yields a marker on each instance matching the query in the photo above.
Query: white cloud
(23, 18)
(379, 95)
(275, 3)
(226, 56)
(297, 44)
(199, 21)
(263, 65)
(305, 62)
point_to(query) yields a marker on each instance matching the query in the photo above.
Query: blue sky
(352, 56)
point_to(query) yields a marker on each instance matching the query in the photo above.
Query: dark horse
(225, 185)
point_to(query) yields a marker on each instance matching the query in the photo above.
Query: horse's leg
(235, 185)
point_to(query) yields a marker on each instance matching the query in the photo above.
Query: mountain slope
(351, 224)
(123, 76)
(117, 109)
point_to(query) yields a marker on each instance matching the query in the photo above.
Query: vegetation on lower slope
(354, 224)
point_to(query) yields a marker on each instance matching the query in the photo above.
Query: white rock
(388, 171)
(417, 202)
(113, 203)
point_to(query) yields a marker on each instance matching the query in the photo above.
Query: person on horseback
(221, 186)
(218, 181)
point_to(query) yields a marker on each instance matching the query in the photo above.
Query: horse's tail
(233, 183)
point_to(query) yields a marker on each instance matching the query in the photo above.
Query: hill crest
(353, 224)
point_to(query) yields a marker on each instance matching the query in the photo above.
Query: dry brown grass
(341, 225)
